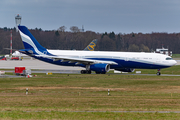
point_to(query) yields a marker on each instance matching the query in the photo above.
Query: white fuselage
(133, 57)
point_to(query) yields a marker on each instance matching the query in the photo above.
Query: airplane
(90, 47)
(18, 54)
(99, 61)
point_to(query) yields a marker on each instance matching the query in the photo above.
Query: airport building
(163, 51)
(18, 21)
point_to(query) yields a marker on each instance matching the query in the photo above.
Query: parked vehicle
(19, 70)
(3, 58)
(14, 58)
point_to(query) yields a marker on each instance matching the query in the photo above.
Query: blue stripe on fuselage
(121, 63)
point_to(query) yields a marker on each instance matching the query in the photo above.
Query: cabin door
(158, 59)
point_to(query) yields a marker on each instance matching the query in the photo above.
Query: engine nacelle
(100, 68)
(126, 69)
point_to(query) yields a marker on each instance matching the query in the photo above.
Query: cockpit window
(168, 58)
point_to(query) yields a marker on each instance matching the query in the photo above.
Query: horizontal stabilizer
(10, 49)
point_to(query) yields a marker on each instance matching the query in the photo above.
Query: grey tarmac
(43, 67)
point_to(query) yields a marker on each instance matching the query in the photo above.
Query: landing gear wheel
(85, 71)
(88, 71)
(158, 73)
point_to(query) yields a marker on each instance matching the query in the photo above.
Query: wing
(77, 60)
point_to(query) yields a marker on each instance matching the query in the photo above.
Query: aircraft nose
(174, 62)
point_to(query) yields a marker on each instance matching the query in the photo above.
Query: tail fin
(29, 41)
(91, 46)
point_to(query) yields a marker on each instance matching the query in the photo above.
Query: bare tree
(62, 28)
(74, 29)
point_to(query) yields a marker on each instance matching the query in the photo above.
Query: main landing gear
(85, 71)
(158, 73)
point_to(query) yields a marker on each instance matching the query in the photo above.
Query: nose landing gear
(158, 73)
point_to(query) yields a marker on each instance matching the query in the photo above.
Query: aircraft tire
(158, 73)
(88, 71)
(85, 71)
(82, 71)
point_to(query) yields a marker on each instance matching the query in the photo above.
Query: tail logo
(91, 46)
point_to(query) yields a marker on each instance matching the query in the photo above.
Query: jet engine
(100, 68)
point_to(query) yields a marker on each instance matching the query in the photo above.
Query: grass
(175, 70)
(175, 55)
(87, 115)
(57, 96)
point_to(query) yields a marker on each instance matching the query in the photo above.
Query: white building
(18, 21)
(163, 51)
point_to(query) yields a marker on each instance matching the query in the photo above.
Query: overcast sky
(120, 16)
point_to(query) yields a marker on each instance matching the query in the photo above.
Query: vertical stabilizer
(30, 43)
(91, 46)
(28, 39)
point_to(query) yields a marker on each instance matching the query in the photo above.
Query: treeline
(76, 39)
